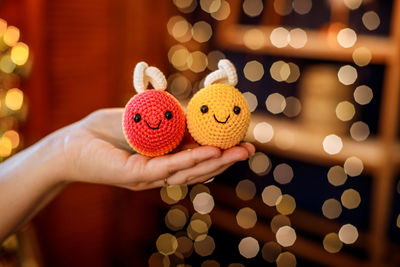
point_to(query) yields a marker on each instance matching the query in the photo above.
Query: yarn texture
(218, 115)
(153, 122)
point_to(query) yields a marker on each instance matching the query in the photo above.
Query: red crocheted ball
(154, 122)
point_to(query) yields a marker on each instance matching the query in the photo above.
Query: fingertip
(249, 147)
(237, 153)
(208, 151)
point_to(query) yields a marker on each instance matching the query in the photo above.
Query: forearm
(28, 181)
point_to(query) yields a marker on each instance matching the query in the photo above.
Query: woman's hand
(95, 151)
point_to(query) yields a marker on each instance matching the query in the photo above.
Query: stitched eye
(204, 109)
(236, 109)
(137, 117)
(168, 115)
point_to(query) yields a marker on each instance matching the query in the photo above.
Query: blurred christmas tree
(15, 65)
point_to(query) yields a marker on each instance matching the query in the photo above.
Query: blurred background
(322, 81)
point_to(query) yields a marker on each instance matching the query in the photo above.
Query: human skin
(94, 150)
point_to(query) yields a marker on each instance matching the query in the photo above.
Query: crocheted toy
(218, 115)
(153, 120)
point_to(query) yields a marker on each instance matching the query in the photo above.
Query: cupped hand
(95, 151)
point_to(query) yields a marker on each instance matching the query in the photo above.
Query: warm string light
(14, 61)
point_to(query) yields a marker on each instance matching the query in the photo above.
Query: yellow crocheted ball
(218, 115)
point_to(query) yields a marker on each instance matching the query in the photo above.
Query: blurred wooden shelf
(380, 155)
(304, 144)
(320, 44)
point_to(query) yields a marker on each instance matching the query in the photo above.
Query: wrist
(47, 158)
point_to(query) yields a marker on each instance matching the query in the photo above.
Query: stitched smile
(158, 126)
(223, 122)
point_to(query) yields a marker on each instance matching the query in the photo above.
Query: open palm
(96, 152)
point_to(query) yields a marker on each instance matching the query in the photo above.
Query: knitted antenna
(153, 120)
(218, 114)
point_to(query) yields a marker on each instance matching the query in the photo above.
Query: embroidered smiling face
(153, 122)
(218, 115)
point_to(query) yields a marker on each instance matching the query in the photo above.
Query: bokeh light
(294, 73)
(337, 176)
(302, 7)
(197, 61)
(178, 56)
(176, 192)
(363, 94)
(254, 39)
(270, 251)
(223, 12)
(199, 188)
(176, 218)
(293, 107)
(371, 20)
(13, 136)
(20, 53)
(14, 99)
(201, 31)
(280, 37)
(283, 173)
(331, 208)
(359, 131)
(348, 234)
(332, 243)
(157, 259)
(332, 144)
(11, 36)
(203, 217)
(179, 28)
(251, 100)
(259, 163)
(246, 218)
(263, 132)
(297, 38)
(353, 4)
(5, 147)
(285, 204)
(203, 203)
(350, 199)
(182, 3)
(347, 37)
(253, 8)
(6, 64)
(253, 71)
(210, 6)
(353, 166)
(398, 221)
(209, 263)
(185, 246)
(279, 221)
(362, 56)
(249, 247)
(345, 111)
(271, 194)
(286, 259)
(286, 236)
(204, 246)
(280, 71)
(347, 74)
(197, 229)
(166, 244)
(275, 103)
(245, 190)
